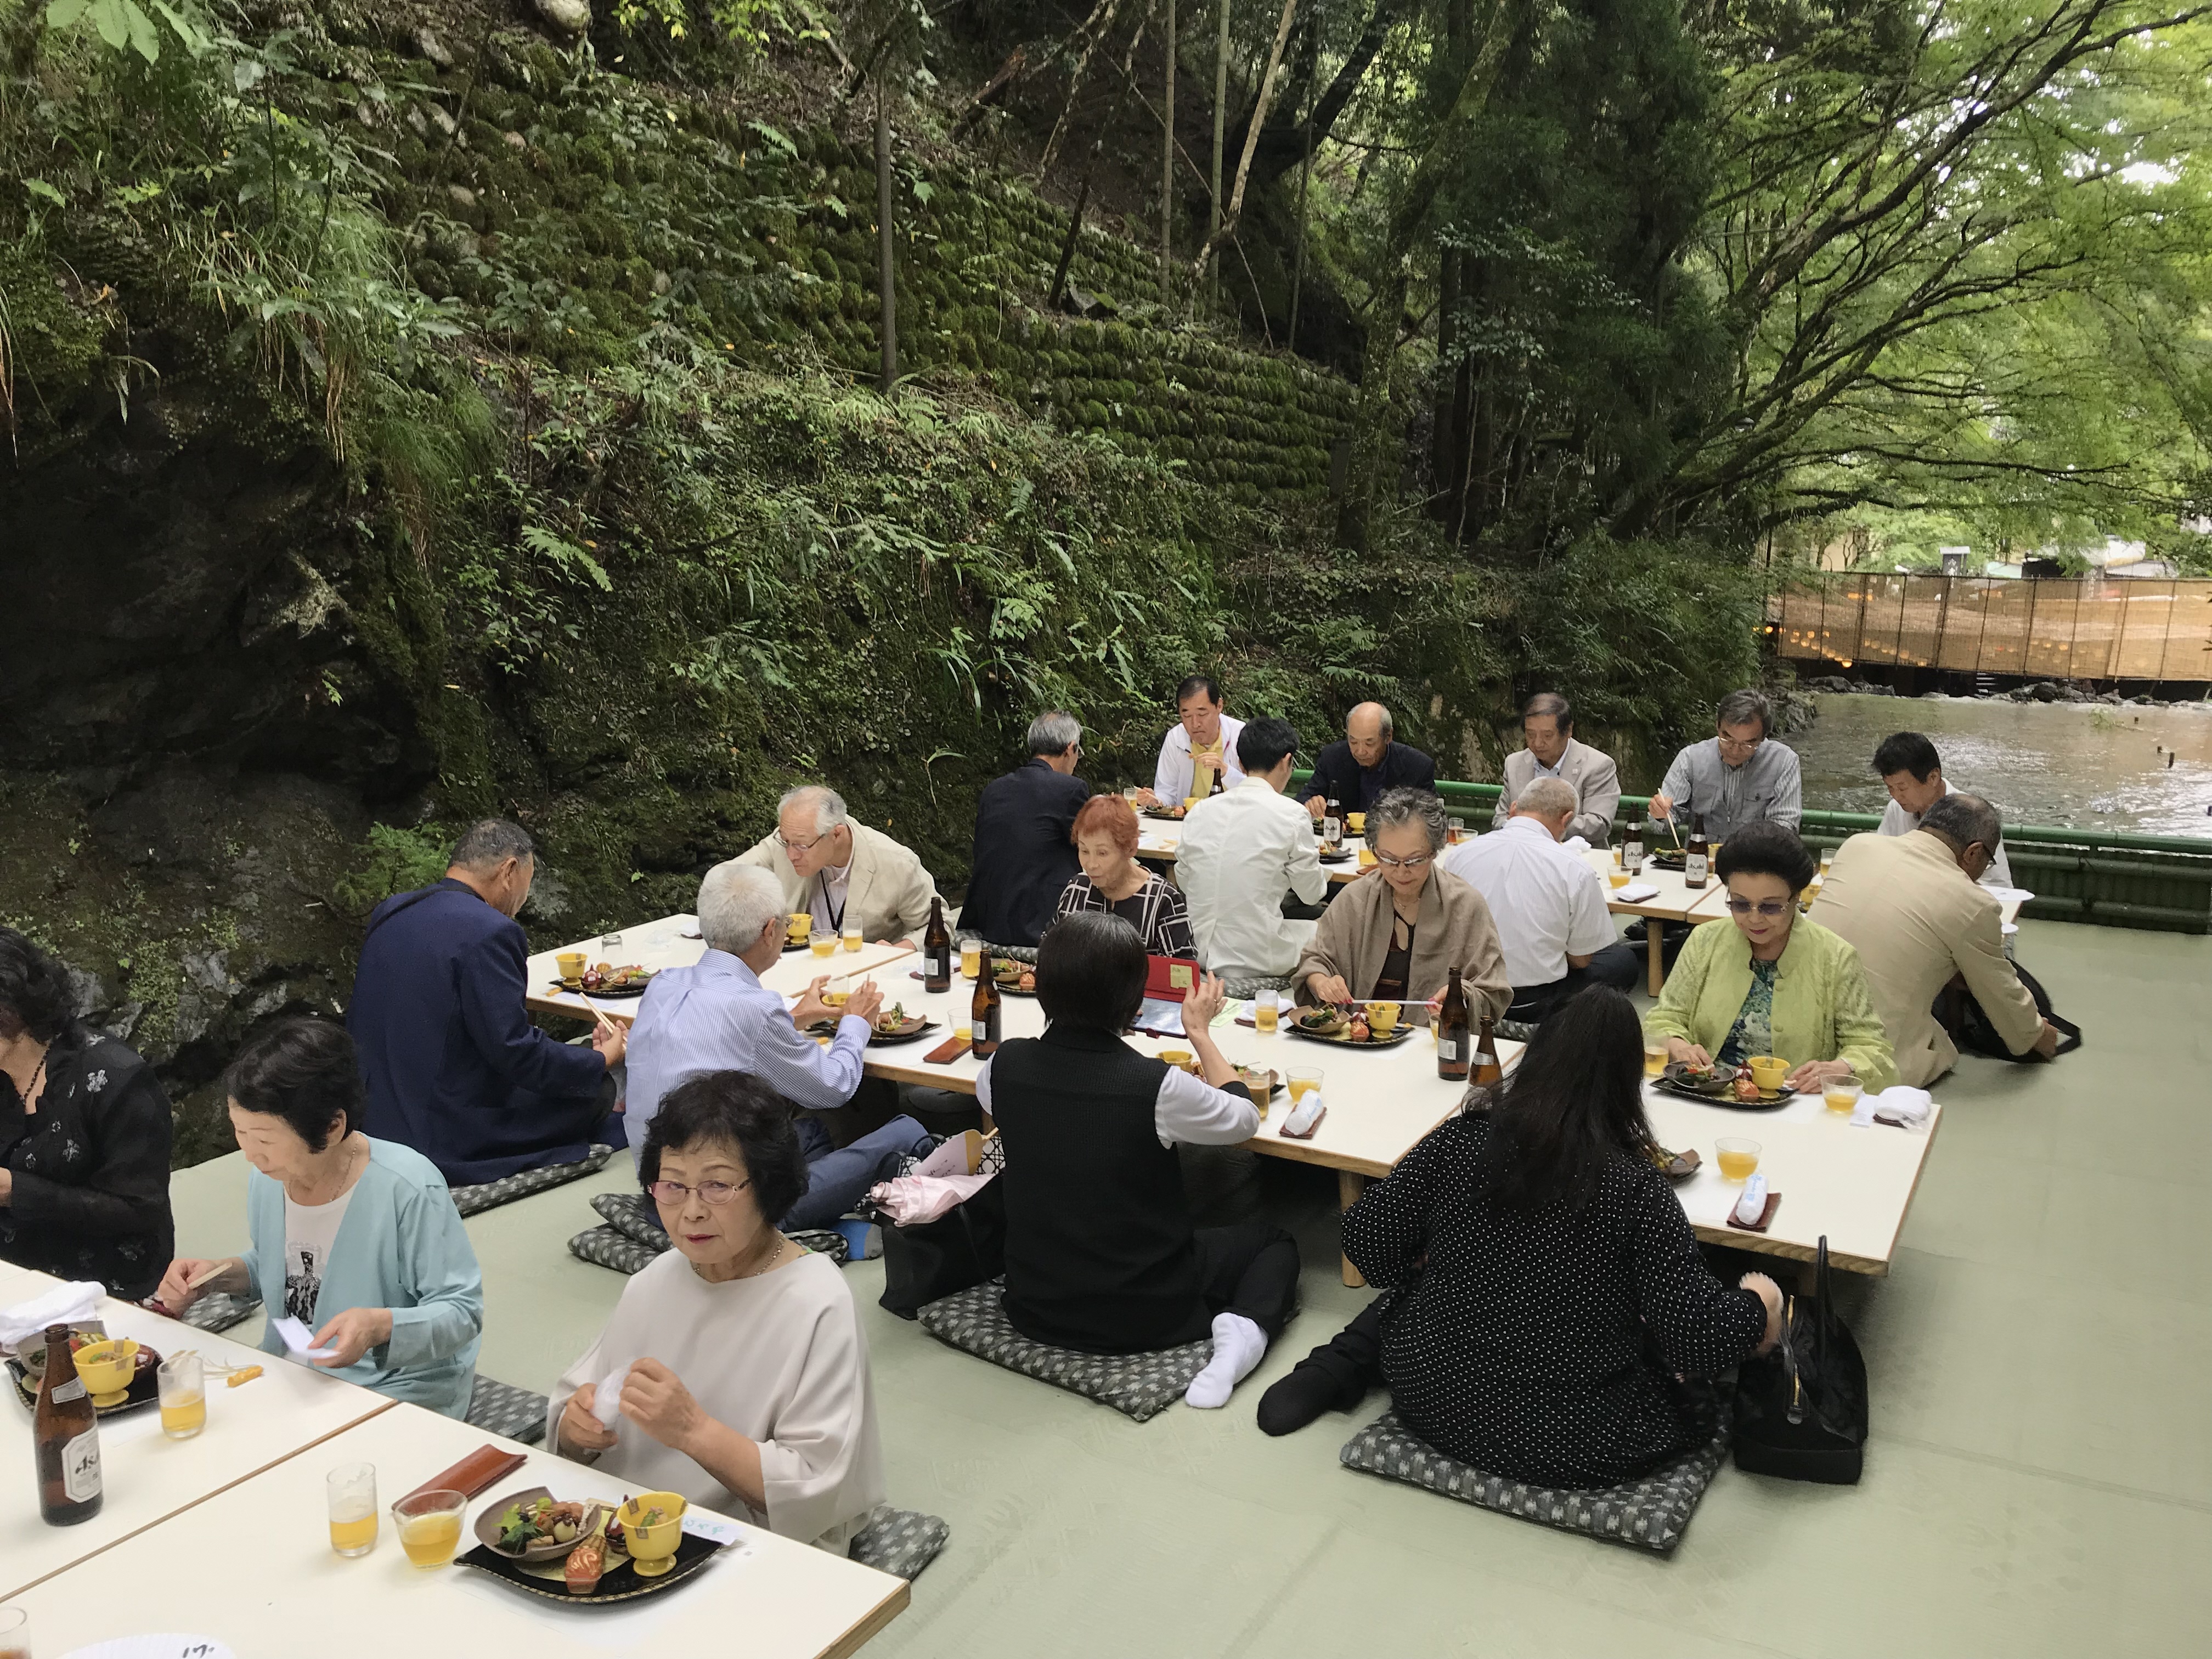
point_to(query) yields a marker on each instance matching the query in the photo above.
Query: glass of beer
(15, 1633)
(1654, 1059)
(1841, 1094)
(1264, 1010)
(825, 942)
(1618, 877)
(851, 936)
(971, 956)
(184, 1397)
(430, 1526)
(1304, 1080)
(351, 1489)
(1458, 828)
(1739, 1158)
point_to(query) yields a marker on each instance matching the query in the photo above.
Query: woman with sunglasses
(736, 1368)
(1774, 983)
(1396, 934)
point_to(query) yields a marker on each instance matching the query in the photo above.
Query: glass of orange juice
(1841, 1094)
(825, 942)
(184, 1397)
(1654, 1059)
(1618, 877)
(430, 1526)
(1303, 1080)
(1738, 1158)
(351, 1489)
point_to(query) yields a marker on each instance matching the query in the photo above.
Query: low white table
(252, 1567)
(1676, 901)
(147, 1478)
(671, 942)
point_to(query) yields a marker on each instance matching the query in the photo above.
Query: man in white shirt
(1913, 773)
(1548, 904)
(841, 871)
(1203, 737)
(1240, 852)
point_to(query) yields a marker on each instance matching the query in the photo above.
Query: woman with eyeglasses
(356, 1238)
(734, 1370)
(1396, 934)
(1774, 983)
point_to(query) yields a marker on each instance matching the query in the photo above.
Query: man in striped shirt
(1738, 776)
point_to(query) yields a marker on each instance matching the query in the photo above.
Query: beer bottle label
(81, 1464)
(1693, 868)
(1448, 1050)
(73, 1390)
(980, 1031)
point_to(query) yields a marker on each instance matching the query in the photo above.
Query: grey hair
(737, 902)
(1051, 733)
(489, 842)
(1964, 820)
(828, 805)
(1552, 705)
(1546, 797)
(1738, 706)
(1399, 807)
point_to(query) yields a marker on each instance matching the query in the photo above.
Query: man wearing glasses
(1738, 776)
(845, 873)
(716, 1016)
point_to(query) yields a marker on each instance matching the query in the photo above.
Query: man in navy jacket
(451, 1064)
(1024, 844)
(1358, 770)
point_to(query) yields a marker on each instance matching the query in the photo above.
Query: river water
(2080, 766)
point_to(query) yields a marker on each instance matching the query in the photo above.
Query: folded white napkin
(1636, 892)
(1576, 844)
(606, 1399)
(1753, 1204)
(64, 1305)
(299, 1341)
(1899, 1104)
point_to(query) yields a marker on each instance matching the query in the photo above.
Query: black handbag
(961, 1248)
(1801, 1411)
(1976, 1036)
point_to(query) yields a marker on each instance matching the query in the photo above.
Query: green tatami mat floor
(2039, 1481)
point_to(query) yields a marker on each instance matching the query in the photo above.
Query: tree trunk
(1228, 227)
(1443, 435)
(886, 256)
(1167, 162)
(1220, 131)
(1298, 260)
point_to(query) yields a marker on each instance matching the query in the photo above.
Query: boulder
(2044, 691)
(568, 16)
(1835, 683)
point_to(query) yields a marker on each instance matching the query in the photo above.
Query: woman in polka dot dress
(1545, 1296)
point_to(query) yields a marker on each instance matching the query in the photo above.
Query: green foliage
(393, 860)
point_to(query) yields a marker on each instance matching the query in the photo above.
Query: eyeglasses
(714, 1194)
(791, 846)
(1731, 746)
(1403, 864)
(1768, 907)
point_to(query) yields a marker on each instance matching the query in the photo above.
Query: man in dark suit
(1356, 771)
(451, 1064)
(1025, 853)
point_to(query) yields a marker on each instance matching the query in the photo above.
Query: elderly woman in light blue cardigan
(357, 1239)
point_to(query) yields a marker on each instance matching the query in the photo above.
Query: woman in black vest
(1099, 1252)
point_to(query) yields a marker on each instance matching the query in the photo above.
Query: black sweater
(1542, 1345)
(90, 1197)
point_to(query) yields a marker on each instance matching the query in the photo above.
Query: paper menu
(299, 1341)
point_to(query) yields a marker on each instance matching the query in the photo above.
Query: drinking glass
(971, 956)
(1739, 1158)
(852, 936)
(430, 1526)
(1827, 858)
(1617, 877)
(184, 1397)
(611, 939)
(351, 1490)
(1130, 795)
(1654, 1059)
(1264, 1011)
(1458, 831)
(1842, 1094)
(15, 1633)
(1304, 1080)
(825, 942)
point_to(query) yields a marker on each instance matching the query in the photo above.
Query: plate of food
(1336, 858)
(1014, 978)
(27, 1369)
(597, 1569)
(1720, 1085)
(1673, 859)
(1166, 814)
(1345, 1027)
(536, 1526)
(1261, 1084)
(603, 979)
(1675, 1166)
(894, 1025)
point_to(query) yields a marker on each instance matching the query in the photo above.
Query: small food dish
(894, 1025)
(1732, 1087)
(141, 1387)
(106, 1367)
(535, 1526)
(1349, 1030)
(1676, 1166)
(603, 979)
(652, 1529)
(1016, 978)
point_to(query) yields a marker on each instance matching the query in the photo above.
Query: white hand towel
(1900, 1104)
(64, 1305)
(1635, 893)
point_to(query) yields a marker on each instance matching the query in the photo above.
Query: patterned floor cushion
(609, 1247)
(901, 1542)
(215, 1311)
(1244, 990)
(1650, 1514)
(633, 1215)
(472, 1200)
(502, 1408)
(1138, 1385)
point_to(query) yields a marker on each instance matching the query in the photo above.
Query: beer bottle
(1454, 1051)
(65, 1436)
(983, 1015)
(1485, 1071)
(1696, 857)
(1631, 850)
(1331, 824)
(937, 951)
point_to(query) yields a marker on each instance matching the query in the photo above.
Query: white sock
(1238, 1346)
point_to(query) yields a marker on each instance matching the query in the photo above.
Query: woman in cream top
(737, 1358)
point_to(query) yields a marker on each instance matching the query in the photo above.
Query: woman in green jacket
(1774, 983)
(357, 1239)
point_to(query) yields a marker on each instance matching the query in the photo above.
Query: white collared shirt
(1239, 853)
(1547, 904)
(826, 891)
(1896, 820)
(1171, 777)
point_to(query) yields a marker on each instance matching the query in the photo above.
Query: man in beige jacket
(1547, 726)
(842, 871)
(1909, 905)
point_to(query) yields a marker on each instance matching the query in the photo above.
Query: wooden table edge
(865, 1628)
(382, 1405)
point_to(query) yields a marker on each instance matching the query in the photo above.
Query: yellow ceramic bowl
(1767, 1071)
(105, 1368)
(1356, 822)
(1382, 1017)
(799, 925)
(651, 1547)
(1176, 1056)
(571, 964)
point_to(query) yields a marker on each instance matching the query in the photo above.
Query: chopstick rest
(475, 1472)
(947, 1051)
